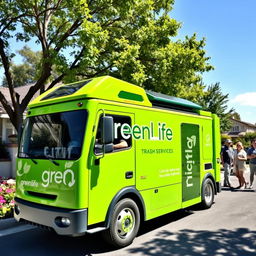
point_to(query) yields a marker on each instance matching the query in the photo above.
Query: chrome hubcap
(125, 223)
(208, 193)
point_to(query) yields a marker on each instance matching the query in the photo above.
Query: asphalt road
(227, 229)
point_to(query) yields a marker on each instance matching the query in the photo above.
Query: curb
(11, 226)
(7, 223)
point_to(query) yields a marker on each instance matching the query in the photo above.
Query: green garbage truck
(106, 155)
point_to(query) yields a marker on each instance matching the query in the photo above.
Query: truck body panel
(172, 146)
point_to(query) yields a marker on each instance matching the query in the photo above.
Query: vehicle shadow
(184, 242)
(41, 242)
(200, 242)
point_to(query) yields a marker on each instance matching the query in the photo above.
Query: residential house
(6, 127)
(7, 166)
(240, 128)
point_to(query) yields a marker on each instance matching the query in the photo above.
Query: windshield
(54, 136)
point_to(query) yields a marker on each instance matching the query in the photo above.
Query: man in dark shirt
(251, 155)
(227, 157)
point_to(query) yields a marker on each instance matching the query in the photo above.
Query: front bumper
(48, 216)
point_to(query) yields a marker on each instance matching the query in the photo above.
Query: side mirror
(108, 133)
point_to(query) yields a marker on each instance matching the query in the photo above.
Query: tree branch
(8, 109)
(73, 66)
(46, 72)
(74, 26)
(13, 20)
(6, 65)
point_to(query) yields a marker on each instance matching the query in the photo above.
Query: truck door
(190, 161)
(110, 172)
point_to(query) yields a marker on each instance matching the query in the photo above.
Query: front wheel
(207, 194)
(124, 224)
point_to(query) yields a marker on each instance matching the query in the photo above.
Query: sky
(229, 27)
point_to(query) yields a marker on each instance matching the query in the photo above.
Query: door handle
(129, 175)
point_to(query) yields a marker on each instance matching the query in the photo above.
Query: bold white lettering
(187, 181)
(69, 152)
(126, 131)
(51, 174)
(45, 178)
(58, 177)
(46, 151)
(116, 129)
(189, 167)
(190, 143)
(72, 178)
(188, 156)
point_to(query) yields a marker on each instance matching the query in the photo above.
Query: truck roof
(110, 88)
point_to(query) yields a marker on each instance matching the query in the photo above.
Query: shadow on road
(40, 242)
(239, 242)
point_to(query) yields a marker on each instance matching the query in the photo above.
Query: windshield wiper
(33, 160)
(29, 156)
(51, 160)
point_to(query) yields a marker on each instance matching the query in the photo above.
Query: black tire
(207, 194)
(124, 224)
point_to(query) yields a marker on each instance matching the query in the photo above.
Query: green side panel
(190, 161)
(216, 147)
(164, 99)
(130, 96)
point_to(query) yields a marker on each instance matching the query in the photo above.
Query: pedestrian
(240, 158)
(227, 157)
(251, 155)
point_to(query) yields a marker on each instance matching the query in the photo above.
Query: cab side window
(121, 141)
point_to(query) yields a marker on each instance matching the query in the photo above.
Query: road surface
(227, 229)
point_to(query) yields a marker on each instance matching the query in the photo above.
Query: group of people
(237, 159)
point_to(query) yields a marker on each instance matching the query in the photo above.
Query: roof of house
(22, 91)
(244, 123)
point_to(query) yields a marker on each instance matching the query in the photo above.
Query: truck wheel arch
(128, 192)
(209, 176)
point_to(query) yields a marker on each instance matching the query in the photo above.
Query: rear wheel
(124, 224)
(207, 194)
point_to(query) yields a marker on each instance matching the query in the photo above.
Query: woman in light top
(239, 164)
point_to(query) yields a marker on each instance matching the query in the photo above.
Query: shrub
(7, 191)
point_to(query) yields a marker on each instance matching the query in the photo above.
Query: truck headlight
(63, 222)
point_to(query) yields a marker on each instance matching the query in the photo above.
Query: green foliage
(215, 101)
(28, 71)
(236, 116)
(248, 138)
(131, 40)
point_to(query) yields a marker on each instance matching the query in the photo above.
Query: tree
(27, 72)
(236, 116)
(215, 101)
(129, 39)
